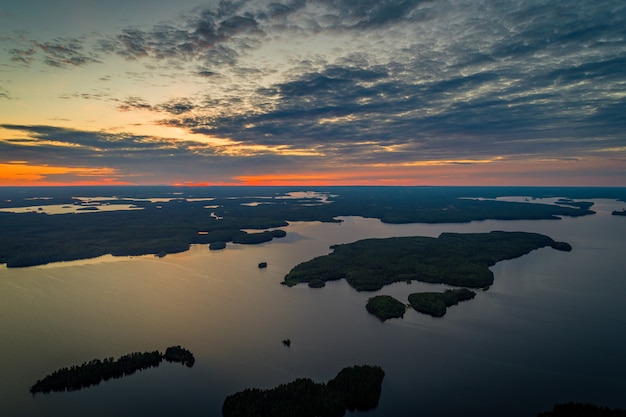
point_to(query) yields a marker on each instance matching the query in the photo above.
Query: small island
(354, 388)
(385, 307)
(95, 371)
(256, 238)
(217, 245)
(619, 213)
(262, 265)
(436, 303)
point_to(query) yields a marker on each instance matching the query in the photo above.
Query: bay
(550, 329)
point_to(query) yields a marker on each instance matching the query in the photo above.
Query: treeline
(170, 227)
(95, 371)
(453, 258)
(354, 388)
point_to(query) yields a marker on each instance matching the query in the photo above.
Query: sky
(313, 92)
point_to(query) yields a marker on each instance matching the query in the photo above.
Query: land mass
(169, 219)
(436, 303)
(456, 259)
(95, 371)
(385, 307)
(354, 388)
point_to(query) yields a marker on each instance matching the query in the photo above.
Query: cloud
(526, 78)
(24, 56)
(63, 52)
(364, 14)
(176, 106)
(219, 35)
(134, 103)
(5, 94)
(208, 36)
(142, 159)
(59, 53)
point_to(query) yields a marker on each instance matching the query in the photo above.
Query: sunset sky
(303, 92)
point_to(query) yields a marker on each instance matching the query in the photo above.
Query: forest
(354, 388)
(181, 217)
(436, 303)
(385, 307)
(457, 259)
(95, 371)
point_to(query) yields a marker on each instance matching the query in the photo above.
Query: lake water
(551, 329)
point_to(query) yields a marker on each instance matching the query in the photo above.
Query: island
(436, 303)
(168, 220)
(255, 238)
(619, 212)
(354, 388)
(95, 371)
(457, 259)
(262, 265)
(385, 307)
(217, 245)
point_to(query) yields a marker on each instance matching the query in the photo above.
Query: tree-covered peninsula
(354, 388)
(95, 371)
(169, 219)
(453, 258)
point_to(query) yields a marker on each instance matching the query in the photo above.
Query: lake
(550, 330)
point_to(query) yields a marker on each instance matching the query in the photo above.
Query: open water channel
(551, 329)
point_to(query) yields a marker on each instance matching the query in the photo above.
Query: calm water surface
(551, 329)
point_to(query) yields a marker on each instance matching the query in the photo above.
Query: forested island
(95, 371)
(180, 217)
(354, 388)
(435, 304)
(458, 259)
(619, 212)
(385, 307)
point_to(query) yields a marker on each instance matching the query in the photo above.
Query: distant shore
(168, 220)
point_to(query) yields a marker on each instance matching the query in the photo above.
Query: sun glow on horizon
(22, 173)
